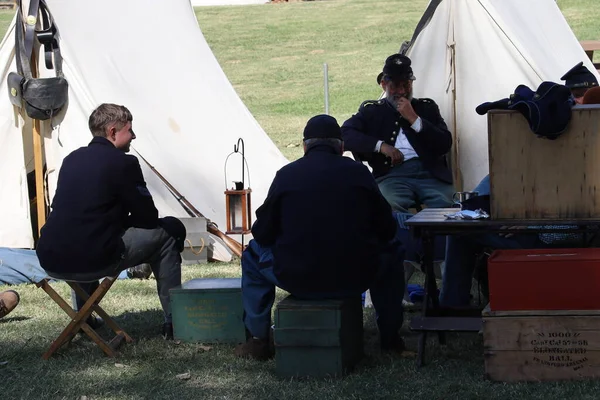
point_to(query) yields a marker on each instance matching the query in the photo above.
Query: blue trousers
(259, 282)
(461, 253)
(409, 184)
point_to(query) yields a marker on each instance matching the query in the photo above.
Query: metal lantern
(237, 199)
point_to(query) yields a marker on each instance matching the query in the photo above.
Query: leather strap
(23, 66)
(48, 37)
(30, 23)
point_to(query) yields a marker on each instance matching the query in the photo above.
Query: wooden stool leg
(78, 319)
(107, 319)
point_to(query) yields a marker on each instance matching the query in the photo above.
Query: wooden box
(535, 178)
(208, 311)
(544, 279)
(317, 338)
(541, 345)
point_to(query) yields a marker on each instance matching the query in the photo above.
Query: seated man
(579, 79)
(462, 252)
(103, 218)
(404, 140)
(324, 231)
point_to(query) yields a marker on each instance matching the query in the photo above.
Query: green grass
(273, 54)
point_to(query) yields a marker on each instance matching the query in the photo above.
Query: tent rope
(510, 40)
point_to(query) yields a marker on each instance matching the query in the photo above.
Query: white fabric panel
(499, 44)
(187, 116)
(15, 225)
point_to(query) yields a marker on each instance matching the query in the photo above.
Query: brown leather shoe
(257, 349)
(8, 301)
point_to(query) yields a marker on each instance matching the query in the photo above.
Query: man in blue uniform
(404, 140)
(103, 218)
(324, 231)
(579, 79)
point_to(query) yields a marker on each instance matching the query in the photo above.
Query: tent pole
(38, 160)
(457, 176)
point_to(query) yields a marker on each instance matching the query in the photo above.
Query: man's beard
(393, 100)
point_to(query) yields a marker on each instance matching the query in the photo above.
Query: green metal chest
(208, 311)
(317, 338)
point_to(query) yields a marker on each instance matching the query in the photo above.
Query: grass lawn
(273, 54)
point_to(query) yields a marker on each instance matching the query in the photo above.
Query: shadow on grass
(13, 319)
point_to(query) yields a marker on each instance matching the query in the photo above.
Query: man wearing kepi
(404, 140)
(323, 232)
(103, 218)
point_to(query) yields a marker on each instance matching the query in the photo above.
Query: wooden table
(431, 222)
(589, 46)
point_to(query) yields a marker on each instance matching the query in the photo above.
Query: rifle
(234, 245)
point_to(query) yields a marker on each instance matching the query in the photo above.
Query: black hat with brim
(579, 77)
(397, 66)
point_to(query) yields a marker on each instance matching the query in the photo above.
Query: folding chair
(78, 319)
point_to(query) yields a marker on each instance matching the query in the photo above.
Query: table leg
(430, 282)
(430, 299)
(421, 348)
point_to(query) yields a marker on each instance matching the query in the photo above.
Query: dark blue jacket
(378, 120)
(100, 193)
(326, 221)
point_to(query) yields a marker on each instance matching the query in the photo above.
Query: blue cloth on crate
(547, 110)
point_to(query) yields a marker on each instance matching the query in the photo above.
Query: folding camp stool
(78, 319)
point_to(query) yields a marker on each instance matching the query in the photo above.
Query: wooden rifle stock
(234, 245)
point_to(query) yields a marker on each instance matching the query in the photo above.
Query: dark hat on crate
(322, 127)
(397, 66)
(547, 110)
(579, 77)
(592, 96)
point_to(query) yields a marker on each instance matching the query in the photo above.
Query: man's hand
(406, 110)
(393, 153)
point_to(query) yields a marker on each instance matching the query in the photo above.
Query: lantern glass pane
(235, 212)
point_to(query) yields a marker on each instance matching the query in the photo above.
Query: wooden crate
(535, 178)
(541, 345)
(208, 310)
(317, 338)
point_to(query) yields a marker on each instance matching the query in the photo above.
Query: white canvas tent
(151, 57)
(473, 51)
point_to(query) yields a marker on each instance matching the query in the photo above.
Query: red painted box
(544, 279)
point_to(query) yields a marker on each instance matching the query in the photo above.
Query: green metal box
(317, 338)
(208, 311)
